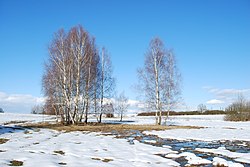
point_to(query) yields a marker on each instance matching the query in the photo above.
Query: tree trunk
(86, 112)
(157, 92)
(100, 118)
(121, 117)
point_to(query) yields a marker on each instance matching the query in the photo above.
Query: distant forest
(208, 112)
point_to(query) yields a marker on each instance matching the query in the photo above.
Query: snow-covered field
(214, 128)
(9, 118)
(44, 147)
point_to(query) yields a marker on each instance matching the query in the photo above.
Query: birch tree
(121, 105)
(107, 81)
(159, 79)
(201, 108)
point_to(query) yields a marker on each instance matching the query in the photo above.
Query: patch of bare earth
(102, 159)
(103, 127)
(62, 163)
(16, 163)
(3, 140)
(59, 152)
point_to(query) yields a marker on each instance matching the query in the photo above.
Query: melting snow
(43, 147)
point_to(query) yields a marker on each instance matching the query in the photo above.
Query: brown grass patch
(3, 140)
(98, 159)
(103, 127)
(103, 160)
(59, 152)
(107, 160)
(16, 163)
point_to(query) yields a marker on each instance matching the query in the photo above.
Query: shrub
(110, 115)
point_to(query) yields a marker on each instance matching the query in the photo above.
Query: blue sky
(211, 40)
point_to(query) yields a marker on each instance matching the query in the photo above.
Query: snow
(213, 128)
(222, 162)
(205, 134)
(80, 148)
(31, 118)
(37, 147)
(172, 155)
(239, 157)
(193, 159)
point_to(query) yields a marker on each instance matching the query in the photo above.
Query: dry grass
(15, 122)
(16, 163)
(107, 160)
(59, 152)
(103, 160)
(102, 127)
(3, 140)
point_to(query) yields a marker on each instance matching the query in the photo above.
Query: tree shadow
(118, 122)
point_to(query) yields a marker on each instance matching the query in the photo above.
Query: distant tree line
(78, 77)
(164, 113)
(239, 110)
(39, 109)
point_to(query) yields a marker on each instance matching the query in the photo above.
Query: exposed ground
(105, 127)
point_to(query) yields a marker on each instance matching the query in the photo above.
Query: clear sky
(211, 40)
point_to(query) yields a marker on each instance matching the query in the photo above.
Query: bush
(110, 115)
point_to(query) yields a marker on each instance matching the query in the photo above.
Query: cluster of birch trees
(78, 77)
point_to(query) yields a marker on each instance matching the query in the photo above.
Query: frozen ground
(214, 128)
(11, 118)
(218, 143)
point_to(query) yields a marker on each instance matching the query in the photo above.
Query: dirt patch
(62, 163)
(59, 152)
(98, 159)
(3, 140)
(103, 127)
(16, 163)
(107, 160)
(103, 159)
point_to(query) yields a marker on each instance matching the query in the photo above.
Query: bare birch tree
(159, 79)
(107, 81)
(121, 105)
(201, 108)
